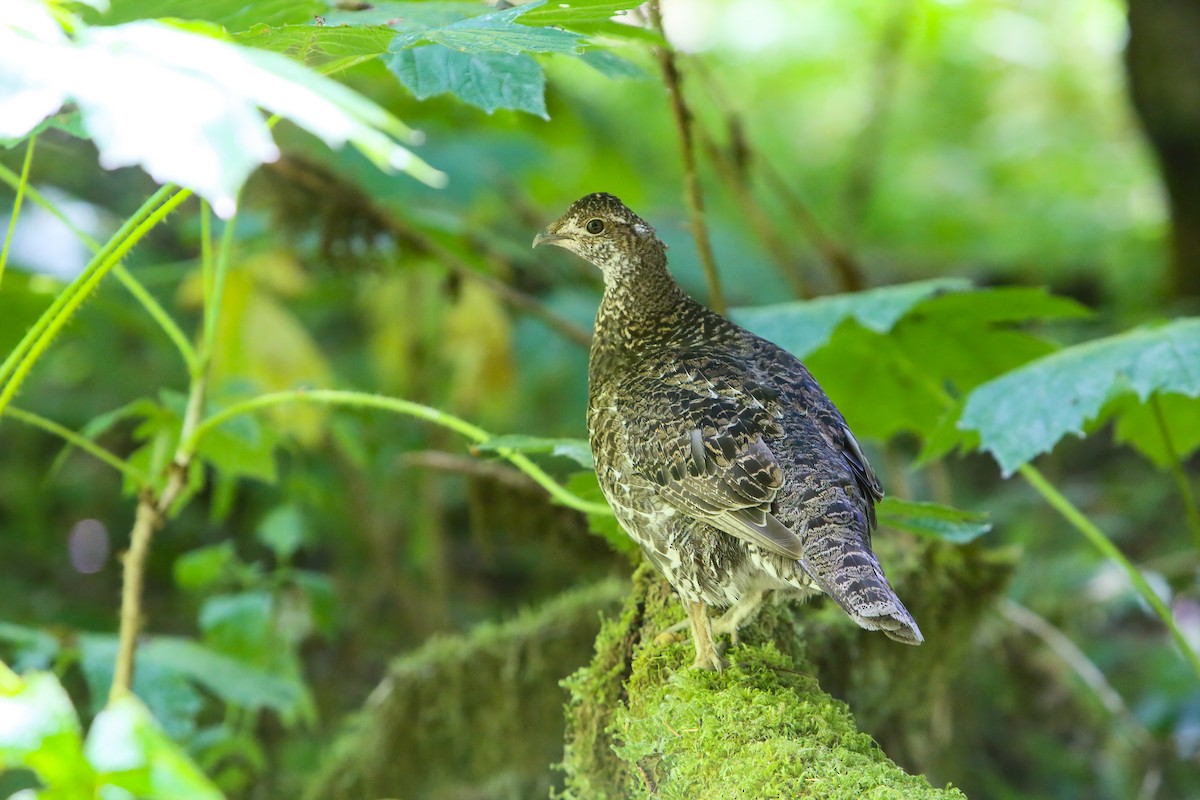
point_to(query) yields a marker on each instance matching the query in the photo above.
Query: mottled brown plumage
(718, 451)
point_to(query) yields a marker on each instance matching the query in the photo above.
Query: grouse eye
(595, 225)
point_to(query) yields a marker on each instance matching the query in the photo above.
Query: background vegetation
(295, 372)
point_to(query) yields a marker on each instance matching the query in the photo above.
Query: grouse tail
(851, 575)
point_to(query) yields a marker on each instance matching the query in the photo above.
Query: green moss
(641, 723)
(760, 729)
(596, 691)
(475, 716)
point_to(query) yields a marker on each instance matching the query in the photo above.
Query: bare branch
(693, 192)
(846, 270)
(475, 467)
(736, 179)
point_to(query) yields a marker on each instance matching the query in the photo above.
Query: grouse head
(602, 230)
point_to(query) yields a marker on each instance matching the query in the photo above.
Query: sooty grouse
(718, 451)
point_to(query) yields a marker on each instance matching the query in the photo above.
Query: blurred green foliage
(975, 161)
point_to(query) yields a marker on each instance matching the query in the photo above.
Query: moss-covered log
(642, 724)
(476, 716)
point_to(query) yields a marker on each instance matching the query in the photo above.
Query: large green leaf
(496, 32)
(324, 48)
(1164, 429)
(164, 662)
(933, 520)
(406, 17)
(802, 327)
(1027, 411)
(194, 119)
(919, 345)
(489, 81)
(130, 751)
(578, 13)
(40, 730)
(233, 15)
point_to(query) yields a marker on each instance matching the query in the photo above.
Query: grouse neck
(642, 305)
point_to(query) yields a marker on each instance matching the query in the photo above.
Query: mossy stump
(476, 716)
(641, 723)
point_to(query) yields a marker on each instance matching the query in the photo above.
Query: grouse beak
(546, 237)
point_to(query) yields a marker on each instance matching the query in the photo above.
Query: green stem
(35, 343)
(1181, 478)
(68, 294)
(135, 287)
(348, 399)
(159, 315)
(1105, 545)
(16, 210)
(80, 441)
(215, 285)
(152, 511)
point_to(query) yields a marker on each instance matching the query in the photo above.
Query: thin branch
(736, 179)
(469, 465)
(847, 272)
(151, 510)
(22, 183)
(845, 267)
(133, 576)
(1181, 478)
(691, 175)
(514, 297)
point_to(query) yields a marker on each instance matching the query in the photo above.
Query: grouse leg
(742, 610)
(707, 656)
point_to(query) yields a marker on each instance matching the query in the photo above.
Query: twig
(152, 510)
(846, 270)
(468, 465)
(693, 193)
(756, 215)
(133, 563)
(509, 294)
